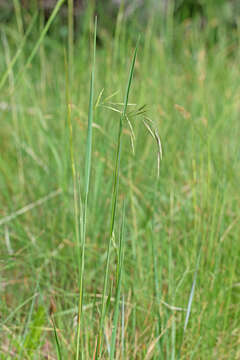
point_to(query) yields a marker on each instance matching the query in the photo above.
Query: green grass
(100, 256)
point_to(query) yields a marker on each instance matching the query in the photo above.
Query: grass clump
(100, 256)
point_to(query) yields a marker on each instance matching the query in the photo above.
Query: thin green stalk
(86, 188)
(157, 291)
(17, 8)
(157, 285)
(76, 191)
(59, 352)
(123, 327)
(119, 282)
(114, 202)
(18, 52)
(29, 317)
(190, 301)
(43, 62)
(14, 110)
(70, 37)
(73, 166)
(192, 293)
(42, 35)
(16, 309)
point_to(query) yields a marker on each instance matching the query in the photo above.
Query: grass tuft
(161, 279)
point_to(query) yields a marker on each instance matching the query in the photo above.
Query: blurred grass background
(186, 81)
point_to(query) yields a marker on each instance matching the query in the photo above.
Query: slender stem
(70, 37)
(87, 181)
(114, 203)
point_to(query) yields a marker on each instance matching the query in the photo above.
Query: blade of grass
(59, 352)
(17, 8)
(123, 328)
(76, 191)
(19, 51)
(114, 201)
(30, 312)
(29, 318)
(16, 309)
(44, 31)
(70, 37)
(86, 188)
(191, 294)
(74, 173)
(119, 281)
(30, 206)
(157, 291)
(15, 116)
(190, 301)
(41, 37)
(157, 284)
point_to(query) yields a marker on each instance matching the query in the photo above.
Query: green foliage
(63, 188)
(35, 331)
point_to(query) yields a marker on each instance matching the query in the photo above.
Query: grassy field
(149, 261)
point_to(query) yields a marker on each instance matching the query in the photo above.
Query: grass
(100, 257)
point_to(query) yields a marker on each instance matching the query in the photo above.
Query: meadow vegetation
(119, 177)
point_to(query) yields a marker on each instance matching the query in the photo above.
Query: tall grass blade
(190, 301)
(114, 201)
(70, 37)
(73, 166)
(86, 189)
(59, 352)
(191, 295)
(157, 291)
(157, 284)
(119, 281)
(17, 8)
(123, 327)
(76, 192)
(29, 318)
(30, 312)
(90, 121)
